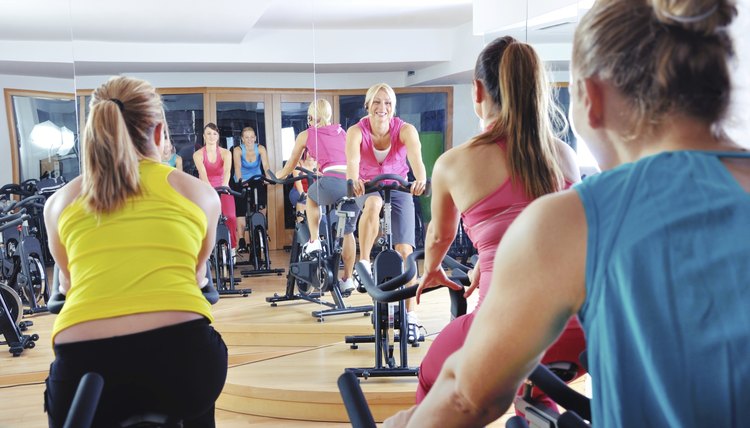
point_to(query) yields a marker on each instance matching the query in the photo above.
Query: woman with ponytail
(131, 238)
(651, 254)
(521, 160)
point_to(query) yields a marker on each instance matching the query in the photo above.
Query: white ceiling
(433, 37)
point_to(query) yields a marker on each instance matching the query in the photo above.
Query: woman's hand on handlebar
(279, 174)
(434, 279)
(417, 187)
(359, 187)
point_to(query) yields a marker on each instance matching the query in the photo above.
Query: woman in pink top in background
(214, 166)
(520, 160)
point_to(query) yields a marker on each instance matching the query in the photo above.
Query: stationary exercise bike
(221, 259)
(22, 254)
(311, 276)
(11, 309)
(256, 224)
(361, 417)
(388, 317)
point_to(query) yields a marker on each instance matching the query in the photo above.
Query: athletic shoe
(415, 330)
(346, 287)
(311, 247)
(367, 264)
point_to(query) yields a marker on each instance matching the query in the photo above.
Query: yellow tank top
(139, 259)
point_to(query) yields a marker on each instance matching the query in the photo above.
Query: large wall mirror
(38, 137)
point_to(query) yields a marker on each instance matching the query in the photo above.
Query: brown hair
(515, 78)
(664, 56)
(123, 114)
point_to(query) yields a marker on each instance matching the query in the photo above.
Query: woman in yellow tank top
(131, 237)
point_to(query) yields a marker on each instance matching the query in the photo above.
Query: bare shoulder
(199, 192)
(408, 131)
(61, 199)
(568, 160)
(262, 148)
(198, 154)
(354, 130)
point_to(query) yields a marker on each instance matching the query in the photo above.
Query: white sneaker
(367, 264)
(415, 329)
(346, 286)
(311, 247)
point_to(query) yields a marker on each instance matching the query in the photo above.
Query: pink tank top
(214, 171)
(394, 162)
(327, 145)
(487, 221)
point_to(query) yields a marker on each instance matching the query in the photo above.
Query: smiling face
(248, 137)
(210, 136)
(380, 108)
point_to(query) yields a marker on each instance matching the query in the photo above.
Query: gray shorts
(328, 191)
(402, 216)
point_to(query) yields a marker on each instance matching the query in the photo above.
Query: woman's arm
(538, 283)
(568, 161)
(226, 157)
(208, 200)
(198, 160)
(298, 183)
(299, 146)
(264, 160)
(237, 160)
(353, 147)
(178, 162)
(410, 137)
(52, 209)
(442, 228)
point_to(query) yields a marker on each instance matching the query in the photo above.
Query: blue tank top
(667, 311)
(250, 169)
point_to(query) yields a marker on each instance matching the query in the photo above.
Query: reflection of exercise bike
(256, 224)
(22, 254)
(221, 259)
(317, 273)
(11, 326)
(554, 387)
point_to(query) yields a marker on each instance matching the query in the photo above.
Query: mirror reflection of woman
(326, 144)
(169, 154)
(214, 166)
(249, 160)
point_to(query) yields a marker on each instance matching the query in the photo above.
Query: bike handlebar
(560, 392)
(13, 220)
(224, 190)
(306, 174)
(25, 202)
(389, 291)
(377, 183)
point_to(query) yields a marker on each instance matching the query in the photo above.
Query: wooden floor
(283, 363)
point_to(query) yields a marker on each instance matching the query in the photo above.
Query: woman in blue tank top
(249, 161)
(652, 253)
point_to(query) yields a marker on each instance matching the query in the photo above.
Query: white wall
(465, 121)
(22, 82)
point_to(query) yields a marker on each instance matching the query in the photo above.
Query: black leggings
(177, 370)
